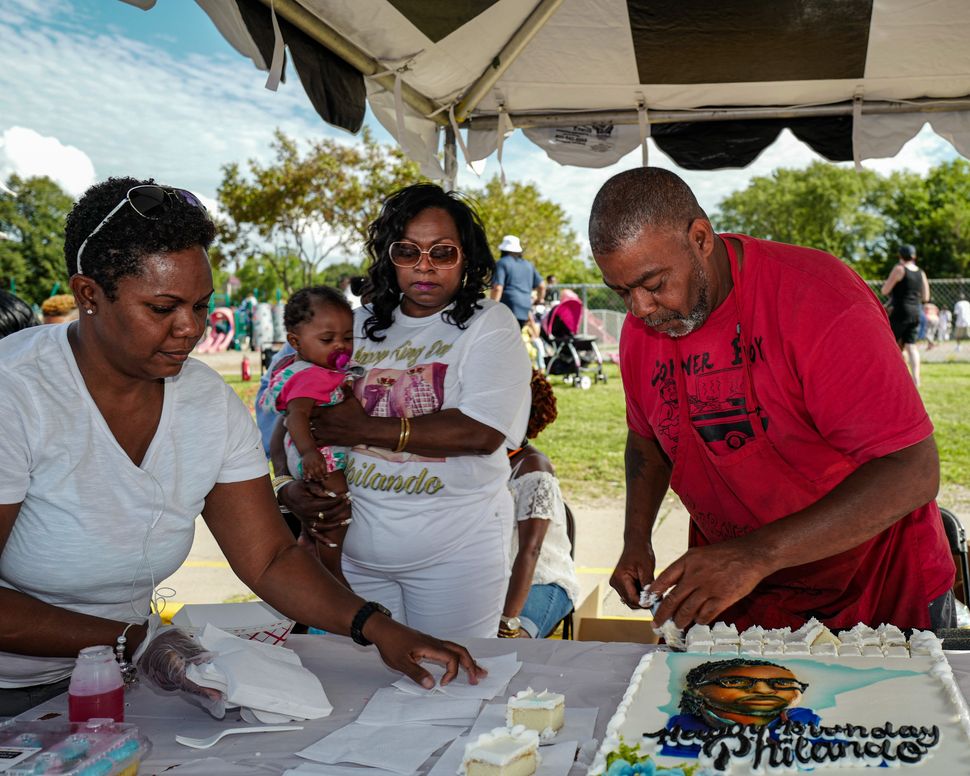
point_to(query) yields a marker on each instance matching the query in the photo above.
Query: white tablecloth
(592, 674)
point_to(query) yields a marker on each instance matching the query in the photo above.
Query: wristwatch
(511, 623)
(357, 625)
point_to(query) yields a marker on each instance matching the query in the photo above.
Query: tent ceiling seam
(620, 116)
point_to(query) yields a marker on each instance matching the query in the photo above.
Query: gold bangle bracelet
(407, 434)
(404, 436)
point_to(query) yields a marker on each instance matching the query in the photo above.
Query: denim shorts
(544, 608)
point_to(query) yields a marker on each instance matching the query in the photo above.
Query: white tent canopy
(713, 82)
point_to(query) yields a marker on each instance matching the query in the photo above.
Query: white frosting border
(940, 670)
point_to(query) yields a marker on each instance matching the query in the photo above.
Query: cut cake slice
(503, 752)
(540, 711)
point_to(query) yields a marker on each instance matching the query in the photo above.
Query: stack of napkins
(268, 683)
(401, 726)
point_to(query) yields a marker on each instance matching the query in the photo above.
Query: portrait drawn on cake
(745, 691)
(791, 713)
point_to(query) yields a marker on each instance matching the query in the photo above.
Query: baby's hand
(314, 466)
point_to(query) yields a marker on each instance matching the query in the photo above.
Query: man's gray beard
(696, 317)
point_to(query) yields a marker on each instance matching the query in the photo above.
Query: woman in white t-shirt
(446, 390)
(113, 440)
(543, 587)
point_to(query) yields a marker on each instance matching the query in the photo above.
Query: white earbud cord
(158, 597)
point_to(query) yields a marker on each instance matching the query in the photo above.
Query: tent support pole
(451, 159)
(329, 38)
(510, 51)
(629, 116)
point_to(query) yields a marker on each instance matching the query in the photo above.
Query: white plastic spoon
(205, 743)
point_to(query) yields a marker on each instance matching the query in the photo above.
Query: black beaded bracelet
(357, 625)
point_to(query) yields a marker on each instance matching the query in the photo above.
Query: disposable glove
(164, 661)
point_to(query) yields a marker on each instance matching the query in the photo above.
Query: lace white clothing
(537, 495)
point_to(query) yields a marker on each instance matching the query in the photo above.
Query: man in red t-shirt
(764, 386)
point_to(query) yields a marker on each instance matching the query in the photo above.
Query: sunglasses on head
(406, 255)
(148, 200)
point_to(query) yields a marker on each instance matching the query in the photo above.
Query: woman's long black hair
(398, 209)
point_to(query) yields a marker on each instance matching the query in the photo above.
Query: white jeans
(459, 597)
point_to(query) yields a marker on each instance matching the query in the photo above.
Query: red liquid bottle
(96, 689)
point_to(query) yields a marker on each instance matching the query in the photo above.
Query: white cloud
(27, 153)
(21, 11)
(135, 109)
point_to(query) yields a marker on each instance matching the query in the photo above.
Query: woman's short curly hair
(119, 249)
(543, 405)
(304, 303)
(398, 209)
(59, 304)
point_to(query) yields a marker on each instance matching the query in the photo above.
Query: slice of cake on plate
(540, 711)
(503, 752)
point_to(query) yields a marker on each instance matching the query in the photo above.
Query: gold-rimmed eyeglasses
(407, 255)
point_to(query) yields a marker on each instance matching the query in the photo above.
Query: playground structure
(221, 333)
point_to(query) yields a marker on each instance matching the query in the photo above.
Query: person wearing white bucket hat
(510, 245)
(515, 279)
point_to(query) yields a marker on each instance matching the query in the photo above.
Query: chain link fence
(944, 293)
(604, 310)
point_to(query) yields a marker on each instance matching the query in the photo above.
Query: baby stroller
(573, 354)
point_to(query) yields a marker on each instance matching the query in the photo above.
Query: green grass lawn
(245, 390)
(586, 441)
(946, 392)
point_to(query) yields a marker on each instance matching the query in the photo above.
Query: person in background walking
(552, 291)
(908, 290)
(931, 315)
(943, 327)
(961, 320)
(515, 279)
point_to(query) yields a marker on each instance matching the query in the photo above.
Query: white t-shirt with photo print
(411, 509)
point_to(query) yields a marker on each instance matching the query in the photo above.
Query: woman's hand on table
(403, 649)
(319, 509)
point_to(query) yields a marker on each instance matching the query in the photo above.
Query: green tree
(32, 240)
(835, 209)
(547, 239)
(310, 204)
(932, 213)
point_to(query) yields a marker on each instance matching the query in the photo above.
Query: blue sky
(92, 88)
